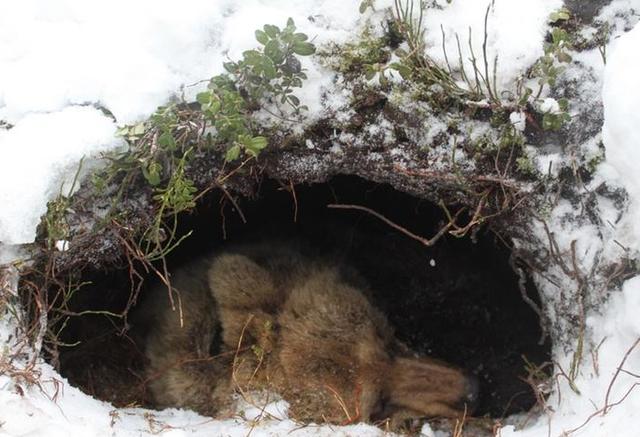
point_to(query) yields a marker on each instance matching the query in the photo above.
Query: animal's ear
(238, 282)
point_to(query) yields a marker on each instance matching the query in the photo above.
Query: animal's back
(296, 325)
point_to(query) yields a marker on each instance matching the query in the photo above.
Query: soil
(586, 10)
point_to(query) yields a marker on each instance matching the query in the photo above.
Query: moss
(526, 166)
(594, 161)
(351, 58)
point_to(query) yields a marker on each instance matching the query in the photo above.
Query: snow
(62, 62)
(616, 328)
(622, 118)
(518, 120)
(127, 58)
(55, 55)
(550, 105)
(40, 156)
(71, 413)
(515, 32)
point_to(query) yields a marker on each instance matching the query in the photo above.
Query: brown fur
(303, 329)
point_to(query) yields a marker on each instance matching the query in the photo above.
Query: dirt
(586, 10)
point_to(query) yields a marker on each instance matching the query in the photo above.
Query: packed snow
(72, 71)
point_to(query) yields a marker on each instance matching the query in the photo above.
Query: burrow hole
(458, 301)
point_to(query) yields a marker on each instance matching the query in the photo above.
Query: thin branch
(522, 281)
(424, 241)
(490, 92)
(607, 407)
(601, 410)
(234, 203)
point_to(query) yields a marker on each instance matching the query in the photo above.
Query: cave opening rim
(248, 199)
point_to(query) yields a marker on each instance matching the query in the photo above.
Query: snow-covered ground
(61, 59)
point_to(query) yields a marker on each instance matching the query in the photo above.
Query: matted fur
(302, 328)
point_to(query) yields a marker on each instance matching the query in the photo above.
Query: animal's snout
(469, 400)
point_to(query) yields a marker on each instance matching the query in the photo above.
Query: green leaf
(286, 38)
(269, 69)
(303, 48)
(273, 51)
(233, 153)
(252, 57)
(137, 129)
(552, 122)
(564, 57)
(259, 143)
(401, 53)
(563, 104)
(167, 141)
(262, 37)
(152, 173)
(203, 98)
(290, 23)
(562, 14)
(271, 30)
(122, 131)
(300, 37)
(365, 4)
(255, 145)
(294, 100)
(215, 106)
(231, 67)
(559, 35)
(369, 72)
(404, 70)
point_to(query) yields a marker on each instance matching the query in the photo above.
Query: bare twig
(427, 242)
(522, 282)
(607, 404)
(601, 410)
(490, 91)
(233, 202)
(606, 408)
(295, 201)
(459, 425)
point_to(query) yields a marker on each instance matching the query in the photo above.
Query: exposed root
(427, 242)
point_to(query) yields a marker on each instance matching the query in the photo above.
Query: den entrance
(458, 301)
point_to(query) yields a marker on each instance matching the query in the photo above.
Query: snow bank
(612, 333)
(622, 119)
(127, 56)
(130, 57)
(39, 158)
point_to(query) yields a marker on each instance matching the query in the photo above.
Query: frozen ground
(60, 59)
